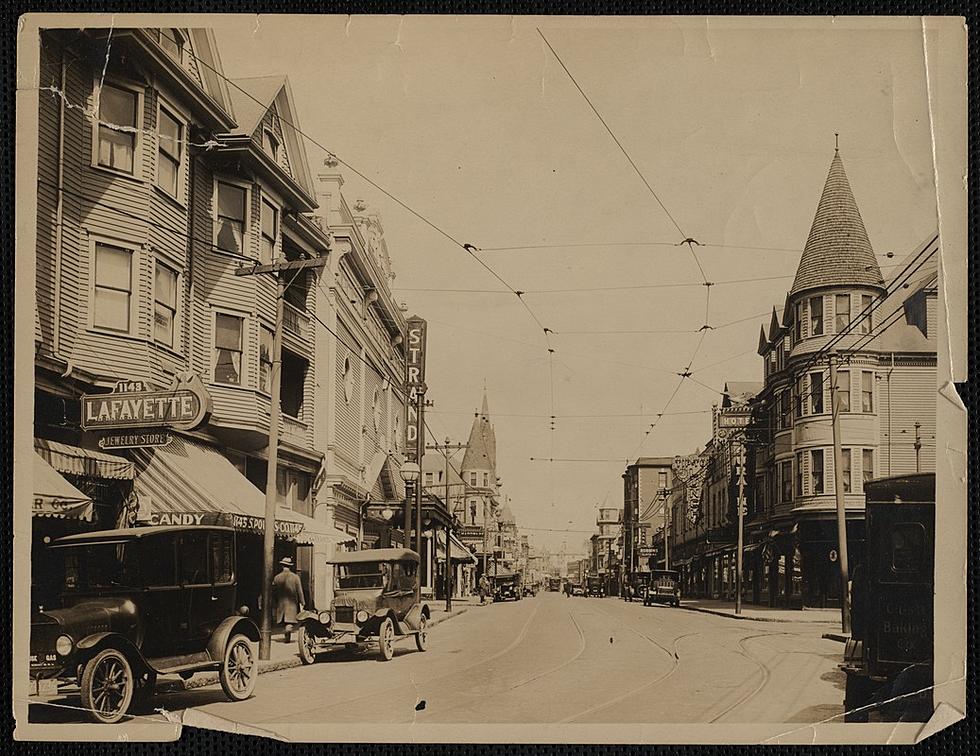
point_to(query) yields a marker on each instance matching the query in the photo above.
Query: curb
(732, 615)
(290, 662)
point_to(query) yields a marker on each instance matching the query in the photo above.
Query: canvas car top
(127, 534)
(920, 488)
(375, 555)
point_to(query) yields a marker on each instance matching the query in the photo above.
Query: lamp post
(409, 473)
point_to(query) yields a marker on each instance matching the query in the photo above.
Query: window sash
(816, 471)
(164, 304)
(816, 393)
(816, 316)
(867, 391)
(270, 230)
(844, 390)
(846, 469)
(867, 465)
(265, 359)
(865, 306)
(842, 312)
(228, 333)
(230, 209)
(799, 473)
(118, 109)
(113, 288)
(787, 479)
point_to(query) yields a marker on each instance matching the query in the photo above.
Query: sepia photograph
(490, 379)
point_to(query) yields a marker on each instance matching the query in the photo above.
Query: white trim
(140, 91)
(178, 272)
(246, 224)
(245, 318)
(165, 104)
(94, 240)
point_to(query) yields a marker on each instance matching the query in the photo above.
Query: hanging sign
(137, 440)
(184, 406)
(415, 386)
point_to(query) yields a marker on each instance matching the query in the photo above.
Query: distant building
(644, 482)
(481, 487)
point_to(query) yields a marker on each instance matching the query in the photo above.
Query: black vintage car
(636, 588)
(506, 586)
(664, 588)
(140, 602)
(889, 658)
(595, 586)
(374, 601)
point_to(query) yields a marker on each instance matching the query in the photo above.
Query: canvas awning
(77, 461)
(56, 497)
(459, 552)
(186, 482)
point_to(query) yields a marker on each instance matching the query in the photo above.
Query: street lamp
(409, 473)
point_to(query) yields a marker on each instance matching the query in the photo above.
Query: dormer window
(270, 143)
(172, 41)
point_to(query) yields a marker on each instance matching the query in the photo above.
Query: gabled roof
(909, 333)
(774, 326)
(838, 251)
(763, 341)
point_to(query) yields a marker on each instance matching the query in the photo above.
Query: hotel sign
(184, 406)
(734, 419)
(415, 385)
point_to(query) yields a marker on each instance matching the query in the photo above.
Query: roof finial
(836, 141)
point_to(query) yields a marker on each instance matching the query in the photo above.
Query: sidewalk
(286, 656)
(761, 613)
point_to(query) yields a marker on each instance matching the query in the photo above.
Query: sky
(474, 124)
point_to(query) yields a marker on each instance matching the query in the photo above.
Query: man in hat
(288, 595)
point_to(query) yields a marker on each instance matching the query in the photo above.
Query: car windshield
(100, 565)
(362, 575)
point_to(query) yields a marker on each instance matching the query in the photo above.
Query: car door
(160, 612)
(194, 579)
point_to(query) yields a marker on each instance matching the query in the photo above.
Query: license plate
(45, 688)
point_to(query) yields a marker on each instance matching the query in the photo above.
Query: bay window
(842, 312)
(118, 128)
(112, 306)
(228, 334)
(169, 148)
(164, 304)
(816, 471)
(816, 316)
(230, 208)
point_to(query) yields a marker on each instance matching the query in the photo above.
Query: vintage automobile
(529, 589)
(576, 590)
(506, 586)
(664, 588)
(136, 603)
(889, 657)
(636, 588)
(595, 586)
(374, 602)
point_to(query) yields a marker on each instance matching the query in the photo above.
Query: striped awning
(56, 497)
(460, 552)
(187, 482)
(76, 461)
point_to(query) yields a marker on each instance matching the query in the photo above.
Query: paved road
(557, 659)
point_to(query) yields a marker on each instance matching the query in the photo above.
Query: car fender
(411, 619)
(230, 626)
(92, 644)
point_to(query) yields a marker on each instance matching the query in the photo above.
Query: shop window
(816, 471)
(164, 304)
(816, 316)
(292, 393)
(230, 215)
(842, 312)
(228, 348)
(270, 231)
(816, 393)
(867, 466)
(194, 559)
(222, 558)
(867, 391)
(843, 391)
(118, 128)
(113, 288)
(866, 313)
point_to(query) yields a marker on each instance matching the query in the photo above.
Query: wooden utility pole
(845, 605)
(445, 448)
(666, 530)
(741, 526)
(272, 452)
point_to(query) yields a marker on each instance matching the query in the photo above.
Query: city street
(554, 659)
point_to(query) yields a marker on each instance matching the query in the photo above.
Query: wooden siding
(913, 394)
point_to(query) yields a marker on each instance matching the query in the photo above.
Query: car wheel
(306, 643)
(239, 669)
(146, 685)
(422, 636)
(107, 686)
(857, 694)
(386, 639)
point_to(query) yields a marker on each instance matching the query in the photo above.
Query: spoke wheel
(422, 636)
(239, 669)
(386, 639)
(306, 643)
(107, 686)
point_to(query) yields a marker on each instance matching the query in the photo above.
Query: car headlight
(63, 645)
(362, 617)
(324, 618)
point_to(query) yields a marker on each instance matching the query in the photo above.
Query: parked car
(530, 589)
(506, 586)
(374, 602)
(577, 590)
(664, 588)
(637, 586)
(889, 657)
(595, 586)
(136, 603)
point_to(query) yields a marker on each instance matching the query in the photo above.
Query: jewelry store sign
(132, 407)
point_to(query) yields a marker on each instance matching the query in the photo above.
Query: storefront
(819, 558)
(462, 563)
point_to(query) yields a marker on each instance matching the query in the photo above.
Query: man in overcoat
(288, 595)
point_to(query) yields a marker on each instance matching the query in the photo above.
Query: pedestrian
(482, 588)
(289, 598)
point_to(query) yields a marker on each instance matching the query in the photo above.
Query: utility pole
(666, 530)
(741, 526)
(272, 452)
(845, 606)
(445, 448)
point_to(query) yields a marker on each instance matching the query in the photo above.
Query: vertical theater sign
(415, 387)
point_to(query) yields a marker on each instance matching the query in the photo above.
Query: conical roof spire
(838, 251)
(481, 448)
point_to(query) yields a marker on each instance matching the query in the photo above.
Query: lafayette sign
(184, 406)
